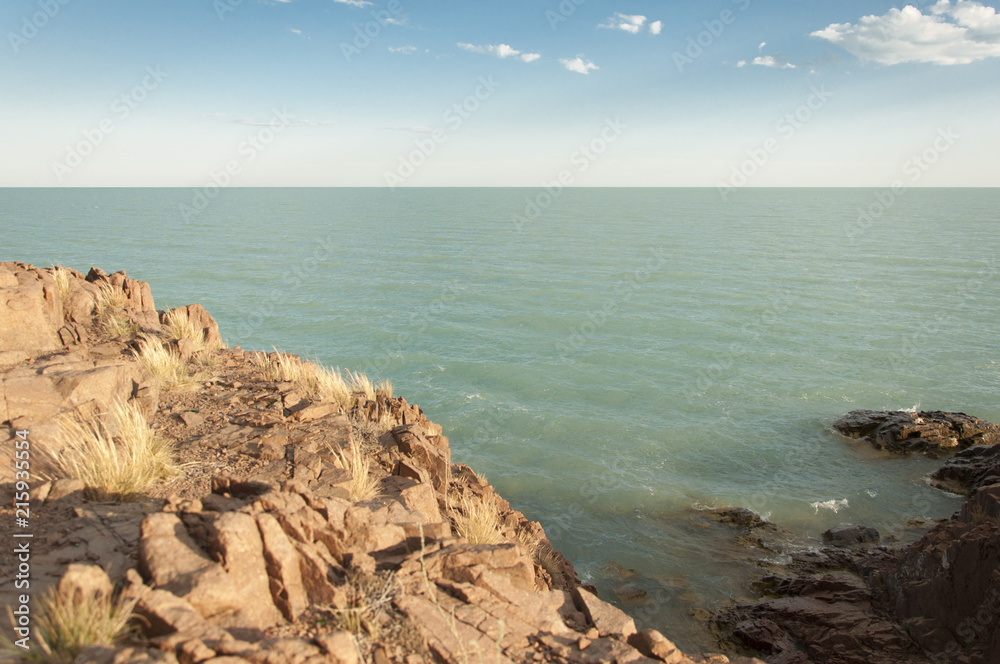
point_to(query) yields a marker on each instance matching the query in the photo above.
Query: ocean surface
(613, 360)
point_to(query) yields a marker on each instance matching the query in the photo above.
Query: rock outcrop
(264, 552)
(928, 432)
(936, 600)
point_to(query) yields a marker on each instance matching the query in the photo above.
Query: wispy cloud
(405, 50)
(500, 50)
(625, 22)
(631, 23)
(294, 122)
(578, 65)
(950, 34)
(295, 31)
(778, 61)
(417, 129)
(353, 3)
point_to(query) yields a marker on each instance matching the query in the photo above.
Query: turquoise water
(623, 359)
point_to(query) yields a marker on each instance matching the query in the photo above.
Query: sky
(534, 93)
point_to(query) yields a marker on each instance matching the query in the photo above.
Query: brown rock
(927, 432)
(283, 568)
(191, 419)
(202, 321)
(339, 646)
(173, 561)
(316, 411)
(609, 620)
(424, 454)
(970, 469)
(28, 320)
(236, 540)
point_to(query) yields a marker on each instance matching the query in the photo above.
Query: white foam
(835, 505)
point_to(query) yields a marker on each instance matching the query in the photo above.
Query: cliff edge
(218, 506)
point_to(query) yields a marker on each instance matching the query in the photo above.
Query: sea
(617, 362)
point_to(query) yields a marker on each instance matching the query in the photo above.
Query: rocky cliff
(935, 601)
(281, 518)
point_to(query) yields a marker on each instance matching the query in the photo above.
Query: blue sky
(514, 93)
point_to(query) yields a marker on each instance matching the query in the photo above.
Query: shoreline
(266, 499)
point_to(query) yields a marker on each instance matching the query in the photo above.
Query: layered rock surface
(258, 554)
(936, 600)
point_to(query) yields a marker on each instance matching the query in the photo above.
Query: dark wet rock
(850, 536)
(928, 432)
(969, 470)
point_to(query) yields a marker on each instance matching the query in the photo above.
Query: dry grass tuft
(66, 625)
(478, 521)
(117, 325)
(109, 298)
(164, 364)
(364, 485)
(116, 459)
(61, 276)
(179, 326)
(317, 381)
(368, 598)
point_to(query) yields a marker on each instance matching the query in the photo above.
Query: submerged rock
(928, 432)
(850, 535)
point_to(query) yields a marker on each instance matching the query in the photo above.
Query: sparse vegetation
(61, 276)
(479, 520)
(179, 326)
(317, 381)
(368, 596)
(364, 485)
(164, 364)
(116, 459)
(66, 625)
(113, 320)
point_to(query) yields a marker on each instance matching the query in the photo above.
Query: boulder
(202, 321)
(435, 460)
(927, 432)
(850, 535)
(969, 470)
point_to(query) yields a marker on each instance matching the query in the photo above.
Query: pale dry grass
(109, 297)
(364, 485)
(117, 325)
(61, 276)
(165, 365)
(65, 625)
(179, 326)
(478, 521)
(318, 381)
(118, 458)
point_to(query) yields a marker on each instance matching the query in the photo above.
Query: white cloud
(656, 27)
(949, 35)
(405, 50)
(761, 47)
(578, 64)
(626, 22)
(773, 61)
(295, 31)
(353, 3)
(500, 50)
